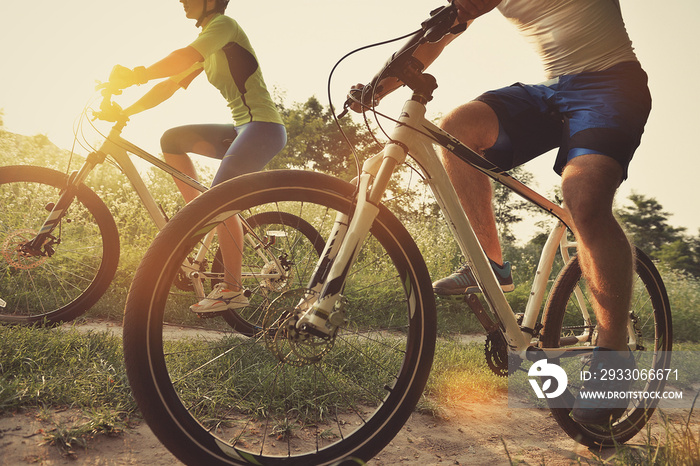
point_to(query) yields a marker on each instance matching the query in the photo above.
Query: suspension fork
(320, 309)
(42, 243)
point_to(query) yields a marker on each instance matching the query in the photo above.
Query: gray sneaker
(463, 281)
(589, 409)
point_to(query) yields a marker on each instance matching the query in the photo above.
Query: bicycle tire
(651, 308)
(270, 399)
(299, 241)
(50, 290)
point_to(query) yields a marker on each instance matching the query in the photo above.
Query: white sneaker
(220, 299)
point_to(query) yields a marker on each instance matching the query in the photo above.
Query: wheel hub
(284, 340)
(277, 284)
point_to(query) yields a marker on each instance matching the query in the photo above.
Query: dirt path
(473, 434)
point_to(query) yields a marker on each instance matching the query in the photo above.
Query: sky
(52, 54)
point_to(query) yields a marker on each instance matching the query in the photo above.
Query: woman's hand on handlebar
(122, 77)
(110, 111)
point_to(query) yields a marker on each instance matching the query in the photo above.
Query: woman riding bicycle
(223, 51)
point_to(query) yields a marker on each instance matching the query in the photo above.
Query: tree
(647, 224)
(680, 255)
(314, 141)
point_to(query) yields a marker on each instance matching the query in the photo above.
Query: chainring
(496, 350)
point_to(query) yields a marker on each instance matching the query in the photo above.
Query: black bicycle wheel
(279, 397)
(63, 285)
(295, 245)
(651, 331)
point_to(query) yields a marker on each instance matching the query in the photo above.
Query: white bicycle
(338, 365)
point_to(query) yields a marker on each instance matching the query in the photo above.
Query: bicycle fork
(321, 308)
(44, 241)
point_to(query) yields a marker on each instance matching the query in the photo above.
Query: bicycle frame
(119, 148)
(416, 136)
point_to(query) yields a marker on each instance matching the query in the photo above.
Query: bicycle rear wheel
(279, 254)
(650, 321)
(278, 397)
(84, 256)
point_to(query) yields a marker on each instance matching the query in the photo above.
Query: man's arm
(467, 12)
(472, 9)
(427, 53)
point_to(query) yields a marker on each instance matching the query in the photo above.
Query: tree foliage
(647, 224)
(315, 142)
(509, 208)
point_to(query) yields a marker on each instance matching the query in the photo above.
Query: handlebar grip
(440, 23)
(433, 29)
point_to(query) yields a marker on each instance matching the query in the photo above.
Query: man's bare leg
(476, 125)
(589, 183)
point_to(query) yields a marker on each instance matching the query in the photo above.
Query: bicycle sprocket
(496, 350)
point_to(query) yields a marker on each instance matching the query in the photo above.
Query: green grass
(460, 374)
(40, 367)
(52, 369)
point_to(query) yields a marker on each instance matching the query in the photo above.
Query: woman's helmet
(219, 7)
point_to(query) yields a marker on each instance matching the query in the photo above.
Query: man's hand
(355, 96)
(470, 9)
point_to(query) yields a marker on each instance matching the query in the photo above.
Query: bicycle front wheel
(83, 257)
(278, 397)
(650, 331)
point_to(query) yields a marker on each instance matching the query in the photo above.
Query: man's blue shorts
(601, 112)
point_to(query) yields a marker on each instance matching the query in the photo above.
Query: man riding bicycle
(593, 106)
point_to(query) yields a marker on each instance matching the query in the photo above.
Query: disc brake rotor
(15, 256)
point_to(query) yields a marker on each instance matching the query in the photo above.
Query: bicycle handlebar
(110, 111)
(403, 66)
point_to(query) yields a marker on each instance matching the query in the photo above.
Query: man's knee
(474, 123)
(589, 183)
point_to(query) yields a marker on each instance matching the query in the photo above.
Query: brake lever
(359, 96)
(346, 107)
